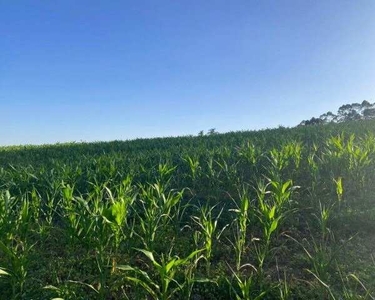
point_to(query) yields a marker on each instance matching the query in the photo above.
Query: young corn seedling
(279, 159)
(273, 200)
(212, 174)
(49, 210)
(165, 173)
(109, 220)
(312, 159)
(34, 204)
(16, 254)
(230, 172)
(241, 223)
(7, 215)
(281, 193)
(250, 153)
(95, 221)
(194, 166)
(335, 156)
(191, 278)
(116, 213)
(94, 228)
(70, 212)
(269, 220)
(208, 231)
(166, 285)
(158, 208)
(245, 287)
(14, 243)
(24, 220)
(339, 189)
(323, 218)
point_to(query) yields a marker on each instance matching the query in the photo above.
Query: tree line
(346, 112)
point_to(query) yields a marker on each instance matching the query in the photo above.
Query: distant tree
(369, 113)
(312, 121)
(212, 131)
(327, 117)
(201, 133)
(366, 104)
(349, 112)
(346, 112)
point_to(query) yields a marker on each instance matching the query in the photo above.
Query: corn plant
(109, 219)
(7, 215)
(323, 218)
(250, 153)
(166, 285)
(230, 172)
(16, 254)
(165, 173)
(49, 211)
(272, 199)
(245, 287)
(158, 208)
(208, 231)
(24, 220)
(191, 277)
(212, 174)
(70, 212)
(35, 204)
(117, 209)
(241, 223)
(194, 166)
(115, 215)
(281, 193)
(312, 160)
(281, 158)
(339, 191)
(335, 156)
(339, 188)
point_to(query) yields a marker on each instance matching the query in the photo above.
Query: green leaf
(3, 272)
(148, 254)
(173, 262)
(271, 214)
(286, 185)
(273, 226)
(119, 212)
(149, 289)
(125, 268)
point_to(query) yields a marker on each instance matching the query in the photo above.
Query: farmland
(272, 214)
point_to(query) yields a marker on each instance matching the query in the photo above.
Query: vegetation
(273, 214)
(346, 112)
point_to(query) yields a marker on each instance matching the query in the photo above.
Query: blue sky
(105, 70)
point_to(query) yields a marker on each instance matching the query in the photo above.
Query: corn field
(272, 214)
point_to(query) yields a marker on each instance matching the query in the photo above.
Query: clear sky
(103, 70)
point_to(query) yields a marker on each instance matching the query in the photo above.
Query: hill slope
(294, 207)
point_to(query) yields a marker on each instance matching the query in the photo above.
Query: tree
(212, 131)
(312, 121)
(369, 113)
(346, 112)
